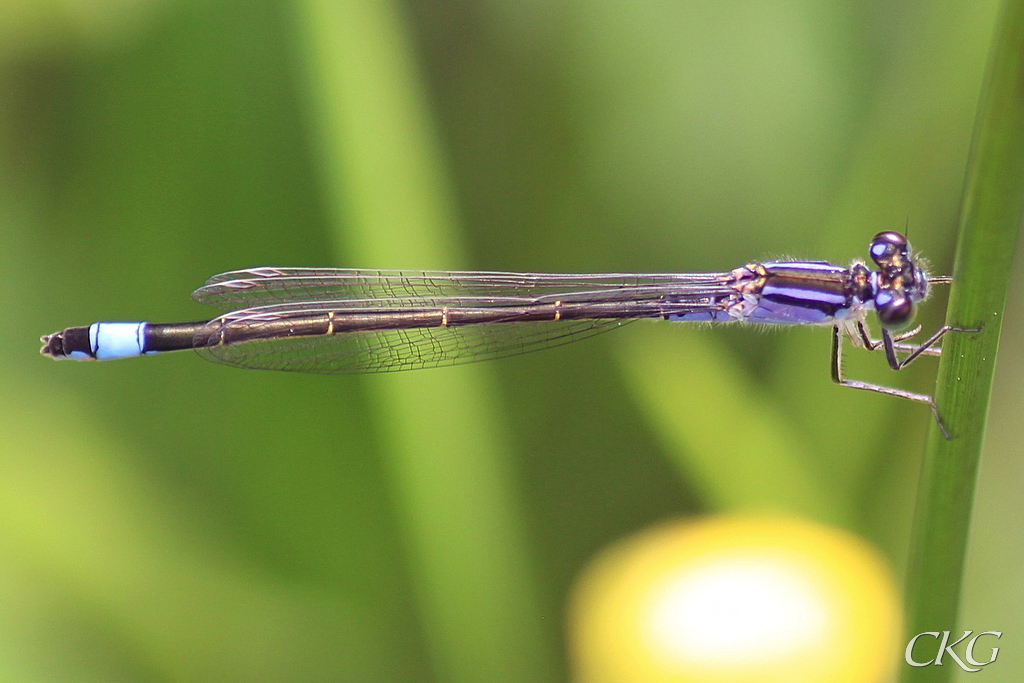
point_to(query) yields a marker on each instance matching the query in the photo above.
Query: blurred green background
(171, 520)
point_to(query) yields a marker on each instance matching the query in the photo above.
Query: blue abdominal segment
(117, 340)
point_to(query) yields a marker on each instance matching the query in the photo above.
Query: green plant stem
(990, 221)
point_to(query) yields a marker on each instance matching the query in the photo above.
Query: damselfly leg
(891, 343)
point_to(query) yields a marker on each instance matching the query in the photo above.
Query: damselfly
(351, 321)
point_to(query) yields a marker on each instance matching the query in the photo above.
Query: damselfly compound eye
(885, 245)
(895, 308)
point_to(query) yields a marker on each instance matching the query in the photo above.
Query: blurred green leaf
(723, 431)
(384, 181)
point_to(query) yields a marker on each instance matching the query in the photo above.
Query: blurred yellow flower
(732, 599)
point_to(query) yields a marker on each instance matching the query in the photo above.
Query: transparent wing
(348, 321)
(397, 288)
(386, 350)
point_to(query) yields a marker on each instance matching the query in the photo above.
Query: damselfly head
(899, 283)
